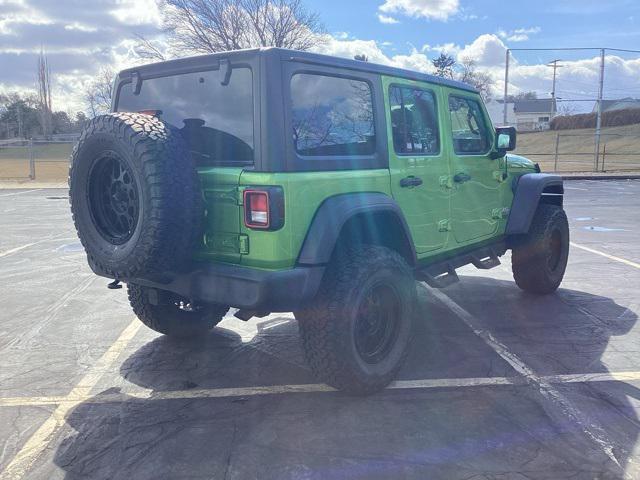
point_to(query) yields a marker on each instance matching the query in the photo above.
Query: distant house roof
(542, 105)
(620, 104)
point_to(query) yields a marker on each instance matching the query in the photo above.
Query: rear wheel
(357, 331)
(170, 314)
(540, 260)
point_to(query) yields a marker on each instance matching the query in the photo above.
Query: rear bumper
(242, 287)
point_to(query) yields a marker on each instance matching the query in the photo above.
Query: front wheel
(356, 333)
(540, 260)
(173, 315)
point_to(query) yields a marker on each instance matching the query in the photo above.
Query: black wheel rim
(113, 198)
(555, 250)
(377, 323)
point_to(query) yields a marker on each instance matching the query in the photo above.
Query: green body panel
(304, 192)
(427, 208)
(443, 216)
(223, 214)
(475, 203)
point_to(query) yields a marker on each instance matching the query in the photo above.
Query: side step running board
(443, 274)
(485, 263)
(440, 280)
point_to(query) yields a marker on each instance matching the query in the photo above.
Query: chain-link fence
(576, 109)
(42, 160)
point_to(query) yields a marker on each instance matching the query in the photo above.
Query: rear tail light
(264, 208)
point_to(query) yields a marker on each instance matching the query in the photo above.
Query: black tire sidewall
(557, 222)
(530, 257)
(401, 285)
(97, 247)
(168, 319)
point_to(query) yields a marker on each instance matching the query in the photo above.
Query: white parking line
(17, 249)
(39, 441)
(426, 384)
(19, 193)
(606, 255)
(588, 425)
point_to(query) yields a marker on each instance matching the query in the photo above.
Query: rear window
(332, 116)
(216, 120)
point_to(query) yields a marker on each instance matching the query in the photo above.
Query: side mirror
(505, 141)
(506, 138)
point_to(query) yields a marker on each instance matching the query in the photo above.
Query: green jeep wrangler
(271, 180)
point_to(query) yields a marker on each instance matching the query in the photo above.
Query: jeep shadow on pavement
(280, 181)
(433, 433)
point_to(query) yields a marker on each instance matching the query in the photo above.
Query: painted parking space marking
(606, 255)
(588, 426)
(38, 442)
(17, 249)
(22, 247)
(19, 193)
(425, 384)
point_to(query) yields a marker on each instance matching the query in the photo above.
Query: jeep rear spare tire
(135, 196)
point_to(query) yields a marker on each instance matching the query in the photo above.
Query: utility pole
(554, 64)
(19, 114)
(599, 114)
(506, 88)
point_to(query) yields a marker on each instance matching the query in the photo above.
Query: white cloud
(486, 50)
(432, 9)
(519, 34)
(386, 19)
(137, 12)
(448, 48)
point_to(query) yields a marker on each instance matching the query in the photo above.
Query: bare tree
(44, 93)
(99, 92)
(482, 81)
(209, 26)
(150, 50)
(567, 109)
(444, 65)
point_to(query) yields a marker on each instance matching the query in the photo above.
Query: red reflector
(259, 202)
(256, 205)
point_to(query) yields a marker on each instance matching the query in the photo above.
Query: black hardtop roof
(190, 63)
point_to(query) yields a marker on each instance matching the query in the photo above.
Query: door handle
(461, 177)
(411, 181)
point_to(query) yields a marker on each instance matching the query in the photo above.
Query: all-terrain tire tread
(319, 324)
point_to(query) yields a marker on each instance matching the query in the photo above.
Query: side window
(332, 116)
(469, 128)
(414, 121)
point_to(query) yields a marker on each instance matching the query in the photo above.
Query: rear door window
(216, 120)
(414, 121)
(332, 116)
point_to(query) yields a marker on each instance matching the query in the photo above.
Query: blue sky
(567, 23)
(83, 36)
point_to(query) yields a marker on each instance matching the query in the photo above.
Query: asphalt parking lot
(498, 384)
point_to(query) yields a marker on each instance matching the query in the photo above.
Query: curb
(601, 177)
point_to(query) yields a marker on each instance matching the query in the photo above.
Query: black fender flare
(528, 191)
(334, 213)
